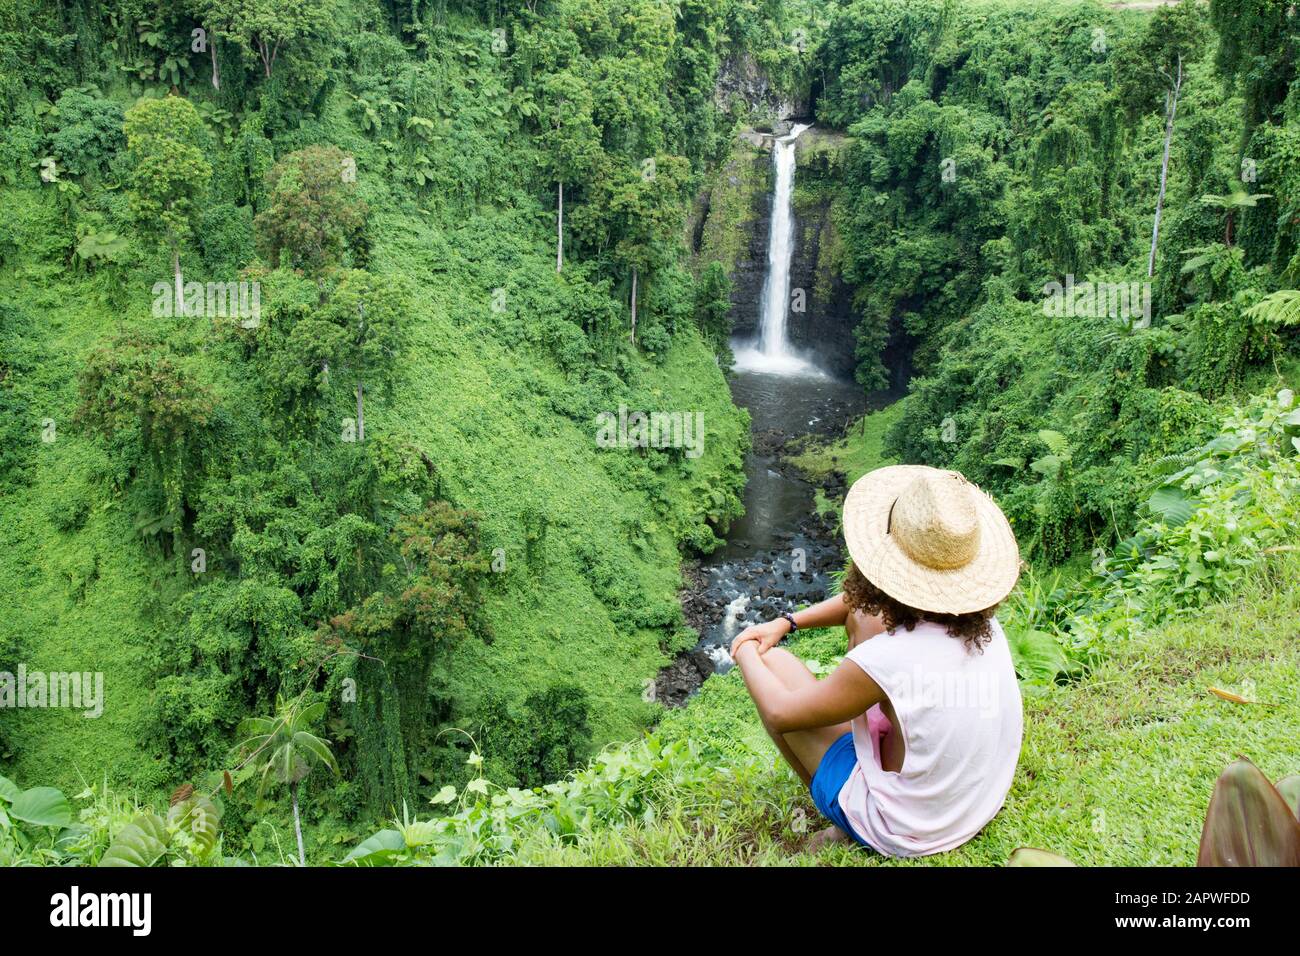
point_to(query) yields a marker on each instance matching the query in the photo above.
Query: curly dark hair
(862, 595)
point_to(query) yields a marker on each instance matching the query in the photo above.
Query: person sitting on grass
(910, 745)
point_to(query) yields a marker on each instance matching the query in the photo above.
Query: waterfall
(780, 250)
(774, 353)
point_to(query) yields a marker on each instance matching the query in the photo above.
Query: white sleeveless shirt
(960, 716)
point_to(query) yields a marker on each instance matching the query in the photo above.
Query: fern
(1167, 464)
(1279, 308)
(1056, 443)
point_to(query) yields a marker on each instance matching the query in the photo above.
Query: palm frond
(1279, 308)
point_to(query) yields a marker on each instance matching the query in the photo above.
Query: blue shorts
(832, 773)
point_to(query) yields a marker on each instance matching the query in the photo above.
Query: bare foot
(822, 838)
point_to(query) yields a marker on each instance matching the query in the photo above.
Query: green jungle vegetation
(363, 588)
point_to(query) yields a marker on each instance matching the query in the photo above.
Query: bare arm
(847, 693)
(829, 613)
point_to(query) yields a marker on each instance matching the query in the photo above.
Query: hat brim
(984, 582)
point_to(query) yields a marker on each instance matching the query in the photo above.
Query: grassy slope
(1116, 770)
(77, 599)
(859, 452)
(480, 412)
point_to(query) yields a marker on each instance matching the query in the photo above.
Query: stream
(780, 553)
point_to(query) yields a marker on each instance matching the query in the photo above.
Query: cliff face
(743, 83)
(732, 220)
(826, 325)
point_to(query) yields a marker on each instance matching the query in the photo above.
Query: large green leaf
(8, 790)
(69, 836)
(309, 715)
(1037, 656)
(108, 246)
(42, 807)
(311, 744)
(1289, 787)
(1249, 823)
(142, 842)
(1279, 308)
(1030, 856)
(1049, 465)
(376, 850)
(200, 816)
(1173, 505)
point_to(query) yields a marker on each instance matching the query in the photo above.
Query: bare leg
(802, 749)
(792, 678)
(805, 748)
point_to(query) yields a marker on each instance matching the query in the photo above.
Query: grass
(858, 452)
(78, 604)
(484, 415)
(1116, 770)
(502, 401)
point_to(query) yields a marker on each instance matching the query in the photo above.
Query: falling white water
(733, 621)
(774, 353)
(780, 249)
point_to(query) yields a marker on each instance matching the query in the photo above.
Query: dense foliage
(299, 394)
(307, 309)
(999, 148)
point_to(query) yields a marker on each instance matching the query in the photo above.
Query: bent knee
(788, 668)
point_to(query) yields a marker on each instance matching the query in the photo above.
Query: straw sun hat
(930, 539)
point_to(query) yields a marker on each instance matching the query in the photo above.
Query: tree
(285, 751)
(134, 386)
(1231, 204)
(1257, 47)
(432, 601)
(427, 604)
(313, 217)
(265, 26)
(169, 176)
(1174, 37)
(540, 742)
(347, 326)
(571, 137)
(89, 131)
(713, 305)
(369, 316)
(647, 207)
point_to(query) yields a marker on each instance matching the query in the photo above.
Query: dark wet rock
(679, 680)
(770, 443)
(742, 80)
